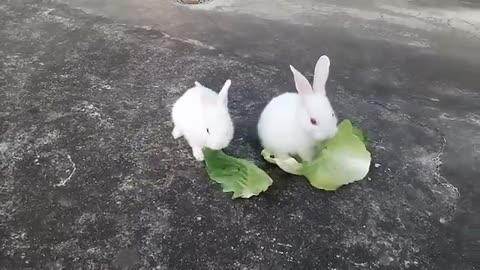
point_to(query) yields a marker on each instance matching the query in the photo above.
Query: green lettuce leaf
(358, 132)
(236, 175)
(289, 165)
(340, 160)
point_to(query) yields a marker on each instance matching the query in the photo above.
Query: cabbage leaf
(240, 176)
(340, 160)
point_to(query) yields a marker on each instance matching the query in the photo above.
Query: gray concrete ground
(90, 177)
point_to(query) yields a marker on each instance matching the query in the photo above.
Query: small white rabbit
(202, 117)
(293, 123)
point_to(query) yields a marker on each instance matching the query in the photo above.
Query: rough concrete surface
(90, 177)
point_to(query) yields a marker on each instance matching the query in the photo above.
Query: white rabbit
(293, 123)
(202, 117)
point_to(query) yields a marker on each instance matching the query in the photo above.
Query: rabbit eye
(208, 131)
(313, 121)
(333, 114)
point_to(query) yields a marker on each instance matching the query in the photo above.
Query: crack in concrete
(74, 168)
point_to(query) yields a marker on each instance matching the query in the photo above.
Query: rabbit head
(316, 115)
(219, 126)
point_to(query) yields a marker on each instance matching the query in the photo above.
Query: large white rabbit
(202, 117)
(293, 123)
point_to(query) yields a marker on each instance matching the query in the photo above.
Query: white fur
(199, 109)
(285, 126)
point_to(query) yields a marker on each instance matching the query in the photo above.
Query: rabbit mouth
(325, 134)
(217, 146)
(321, 136)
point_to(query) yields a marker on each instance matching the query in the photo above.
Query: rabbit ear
(197, 84)
(301, 83)
(223, 94)
(322, 69)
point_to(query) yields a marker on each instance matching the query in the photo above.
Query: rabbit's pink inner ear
(322, 69)
(301, 83)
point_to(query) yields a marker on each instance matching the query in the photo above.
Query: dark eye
(208, 131)
(333, 114)
(313, 121)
